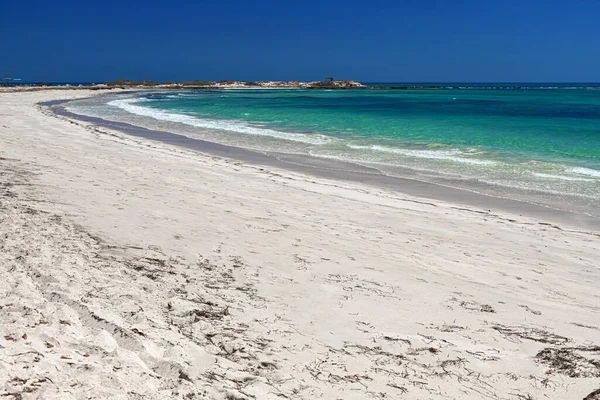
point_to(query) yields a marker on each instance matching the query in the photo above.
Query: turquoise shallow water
(527, 125)
(545, 141)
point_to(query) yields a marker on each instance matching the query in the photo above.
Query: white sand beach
(133, 269)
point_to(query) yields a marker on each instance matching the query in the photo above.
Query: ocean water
(540, 144)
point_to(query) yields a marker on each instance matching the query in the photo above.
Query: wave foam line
(226, 125)
(450, 155)
(586, 171)
(562, 177)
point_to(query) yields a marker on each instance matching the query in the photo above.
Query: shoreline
(351, 172)
(135, 268)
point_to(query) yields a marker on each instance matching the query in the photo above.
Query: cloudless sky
(369, 41)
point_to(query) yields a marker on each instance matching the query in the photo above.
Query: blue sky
(370, 41)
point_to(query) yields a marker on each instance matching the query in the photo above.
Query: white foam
(226, 125)
(586, 171)
(450, 155)
(561, 177)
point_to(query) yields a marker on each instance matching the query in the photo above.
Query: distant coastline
(197, 84)
(328, 84)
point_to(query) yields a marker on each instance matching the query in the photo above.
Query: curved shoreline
(349, 172)
(134, 268)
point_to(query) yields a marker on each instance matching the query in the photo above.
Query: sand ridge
(133, 269)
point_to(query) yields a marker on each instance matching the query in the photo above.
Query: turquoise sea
(542, 141)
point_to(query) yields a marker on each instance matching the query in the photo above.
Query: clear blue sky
(370, 41)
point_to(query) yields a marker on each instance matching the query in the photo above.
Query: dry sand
(133, 269)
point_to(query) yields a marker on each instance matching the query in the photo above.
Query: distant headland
(328, 83)
(8, 84)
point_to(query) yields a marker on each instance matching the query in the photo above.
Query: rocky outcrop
(335, 85)
(292, 84)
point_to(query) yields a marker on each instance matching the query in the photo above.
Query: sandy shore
(134, 269)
